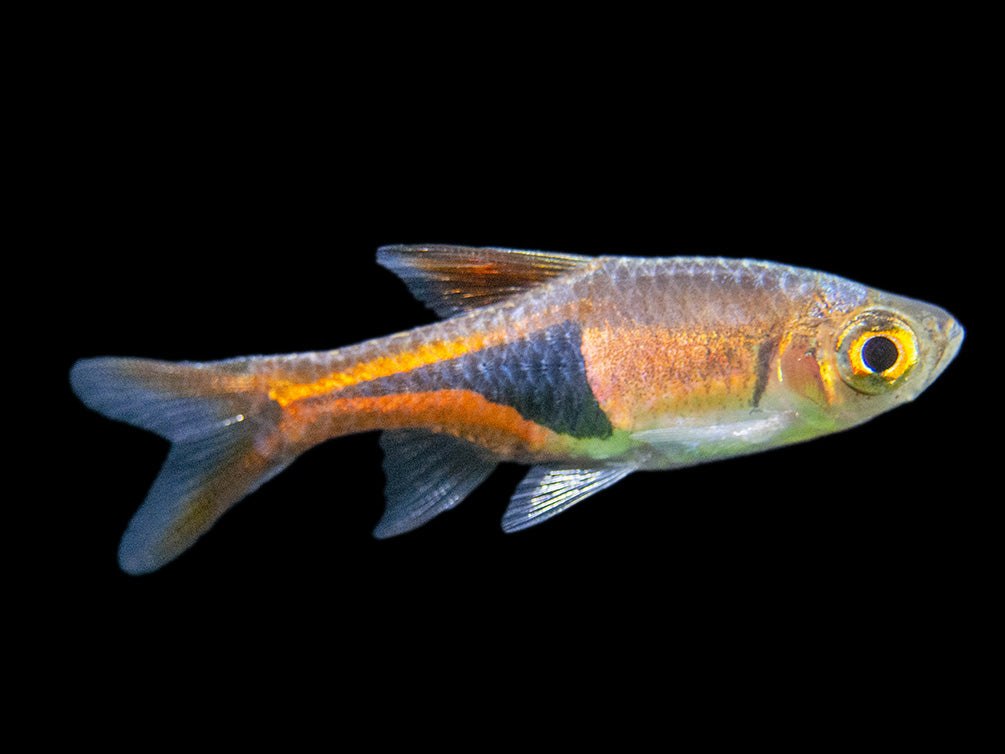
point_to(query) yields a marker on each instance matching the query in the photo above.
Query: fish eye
(876, 351)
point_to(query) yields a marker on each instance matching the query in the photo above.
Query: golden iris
(876, 351)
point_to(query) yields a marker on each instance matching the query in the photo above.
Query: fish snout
(948, 334)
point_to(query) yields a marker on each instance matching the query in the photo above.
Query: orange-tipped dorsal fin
(454, 279)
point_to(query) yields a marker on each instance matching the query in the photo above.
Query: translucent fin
(224, 446)
(743, 431)
(427, 473)
(546, 491)
(454, 279)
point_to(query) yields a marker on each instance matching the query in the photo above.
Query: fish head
(848, 366)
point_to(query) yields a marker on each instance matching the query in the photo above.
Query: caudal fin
(224, 445)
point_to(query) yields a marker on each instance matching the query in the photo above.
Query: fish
(586, 369)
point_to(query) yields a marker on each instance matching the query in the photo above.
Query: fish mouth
(952, 334)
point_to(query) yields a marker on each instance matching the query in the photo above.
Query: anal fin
(426, 474)
(547, 491)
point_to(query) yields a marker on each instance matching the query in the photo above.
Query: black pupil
(879, 353)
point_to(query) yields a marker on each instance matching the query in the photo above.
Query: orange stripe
(286, 392)
(462, 413)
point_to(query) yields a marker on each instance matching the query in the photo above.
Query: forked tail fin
(225, 444)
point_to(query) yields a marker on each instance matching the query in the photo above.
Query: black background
(212, 211)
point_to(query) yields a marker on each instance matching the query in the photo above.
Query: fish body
(586, 369)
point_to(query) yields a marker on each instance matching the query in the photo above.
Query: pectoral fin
(547, 491)
(729, 434)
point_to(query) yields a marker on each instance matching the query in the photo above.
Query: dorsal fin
(454, 279)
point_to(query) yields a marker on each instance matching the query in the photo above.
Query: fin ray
(547, 491)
